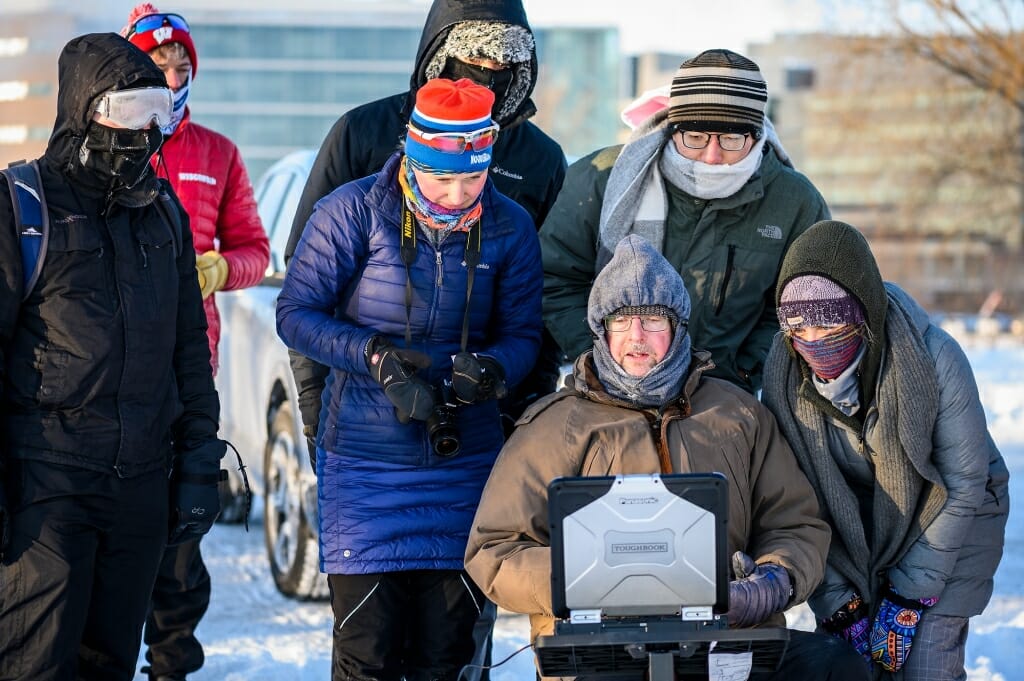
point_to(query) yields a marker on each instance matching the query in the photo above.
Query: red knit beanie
(445, 106)
(159, 34)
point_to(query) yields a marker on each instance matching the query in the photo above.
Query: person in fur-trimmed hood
(640, 401)
(882, 411)
(707, 182)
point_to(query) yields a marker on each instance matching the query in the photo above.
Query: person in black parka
(108, 412)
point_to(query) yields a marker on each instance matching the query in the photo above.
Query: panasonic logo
(640, 547)
(630, 501)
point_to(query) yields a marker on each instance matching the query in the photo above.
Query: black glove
(310, 433)
(477, 378)
(395, 369)
(758, 591)
(195, 501)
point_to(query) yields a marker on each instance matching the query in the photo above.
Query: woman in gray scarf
(883, 414)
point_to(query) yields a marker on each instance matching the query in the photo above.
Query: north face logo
(770, 232)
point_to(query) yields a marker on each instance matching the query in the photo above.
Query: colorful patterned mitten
(851, 624)
(894, 628)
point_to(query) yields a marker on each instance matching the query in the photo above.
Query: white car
(259, 409)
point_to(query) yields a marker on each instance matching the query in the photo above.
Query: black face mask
(119, 157)
(498, 82)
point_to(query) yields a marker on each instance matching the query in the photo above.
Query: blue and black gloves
(477, 378)
(758, 592)
(850, 623)
(894, 627)
(195, 500)
(395, 369)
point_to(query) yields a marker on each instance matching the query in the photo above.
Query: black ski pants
(181, 596)
(416, 624)
(76, 577)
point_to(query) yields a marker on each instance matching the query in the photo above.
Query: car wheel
(291, 547)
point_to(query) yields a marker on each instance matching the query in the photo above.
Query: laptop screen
(636, 545)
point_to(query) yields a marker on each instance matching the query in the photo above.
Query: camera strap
(474, 244)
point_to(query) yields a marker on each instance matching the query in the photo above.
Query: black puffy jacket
(106, 363)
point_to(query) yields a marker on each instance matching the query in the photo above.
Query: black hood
(89, 66)
(443, 15)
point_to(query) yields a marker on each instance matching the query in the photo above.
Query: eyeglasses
(729, 141)
(151, 22)
(456, 142)
(138, 107)
(617, 323)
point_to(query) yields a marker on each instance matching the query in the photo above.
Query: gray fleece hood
(636, 276)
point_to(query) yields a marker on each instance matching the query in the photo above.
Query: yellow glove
(212, 269)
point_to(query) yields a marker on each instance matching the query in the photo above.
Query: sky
(252, 633)
(687, 26)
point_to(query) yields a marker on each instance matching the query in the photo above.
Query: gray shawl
(908, 489)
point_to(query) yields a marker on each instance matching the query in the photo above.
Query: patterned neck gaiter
(830, 356)
(432, 215)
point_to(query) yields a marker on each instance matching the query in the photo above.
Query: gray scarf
(908, 489)
(635, 201)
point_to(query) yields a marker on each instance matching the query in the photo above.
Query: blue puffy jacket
(386, 501)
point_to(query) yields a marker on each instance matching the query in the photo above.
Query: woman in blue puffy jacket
(420, 286)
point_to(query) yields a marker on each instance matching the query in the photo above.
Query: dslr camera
(441, 428)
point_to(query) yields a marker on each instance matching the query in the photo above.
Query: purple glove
(758, 591)
(850, 623)
(894, 628)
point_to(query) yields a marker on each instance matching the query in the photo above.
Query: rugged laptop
(640, 581)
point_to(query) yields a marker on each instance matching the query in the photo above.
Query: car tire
(291, 547)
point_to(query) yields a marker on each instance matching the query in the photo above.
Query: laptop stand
(667, 649)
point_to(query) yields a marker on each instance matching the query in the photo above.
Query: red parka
(207, 173)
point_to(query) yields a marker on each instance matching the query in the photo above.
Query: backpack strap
(31, 219)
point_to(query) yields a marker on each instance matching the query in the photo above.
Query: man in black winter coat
(105, 380)
(490, 43)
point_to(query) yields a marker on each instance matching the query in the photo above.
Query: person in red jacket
(232, 252)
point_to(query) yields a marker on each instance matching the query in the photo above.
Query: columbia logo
(198, 177)
(480, 266)
(507, 173)
(770, 232)
(479, 158)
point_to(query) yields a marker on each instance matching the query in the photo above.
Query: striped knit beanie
(813, 300)
(443, 106)
(718, 91)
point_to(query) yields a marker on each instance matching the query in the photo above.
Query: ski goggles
(138, 107)
(151, 22)
(456, 142)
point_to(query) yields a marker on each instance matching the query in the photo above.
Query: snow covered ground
(252, 633)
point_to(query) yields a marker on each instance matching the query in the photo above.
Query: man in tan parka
(639, 402)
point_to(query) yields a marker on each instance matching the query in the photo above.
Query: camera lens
(444, 437)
